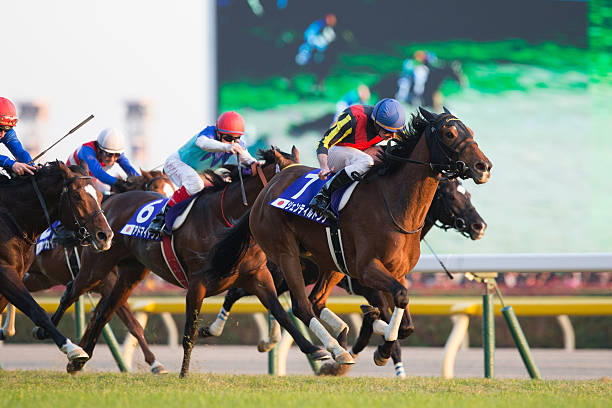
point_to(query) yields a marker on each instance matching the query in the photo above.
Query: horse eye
(450, 135)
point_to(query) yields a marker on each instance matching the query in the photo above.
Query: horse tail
(230, 249)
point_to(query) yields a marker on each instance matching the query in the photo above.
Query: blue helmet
(390, 115)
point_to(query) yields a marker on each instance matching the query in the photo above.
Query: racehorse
(28, 204)
(450, 208)
(212, 211)
(401, 189)
(52, 268)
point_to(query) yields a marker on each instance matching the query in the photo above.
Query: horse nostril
(102, 236)
(477, 227)
(481, 166)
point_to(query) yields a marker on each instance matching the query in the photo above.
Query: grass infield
(52, 389)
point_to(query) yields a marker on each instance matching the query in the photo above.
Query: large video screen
(531, 78)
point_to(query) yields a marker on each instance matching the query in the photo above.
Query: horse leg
(289, 264)
(193, 303)
(130, 275)
(216, 327)
(13, 289)
(87, 278)
(8, 329)
(378, 277)
(263, 287)
(318, 298)
(133, 325)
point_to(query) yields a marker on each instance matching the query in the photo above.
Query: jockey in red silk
(209, 149)
(342, 147)
(8, 137)
(100, 155)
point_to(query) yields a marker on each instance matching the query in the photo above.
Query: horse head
(153, 180)
(80, 210)
(452, 208)
(452, 147)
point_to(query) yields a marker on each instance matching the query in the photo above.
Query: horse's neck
(410, 189)
(27, 210)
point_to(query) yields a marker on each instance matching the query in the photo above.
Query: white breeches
(183, 175)
(350, 159)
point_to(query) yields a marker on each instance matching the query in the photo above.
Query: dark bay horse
(28, 204)
(451, 208)
(51, 268)
(133, 256)
(380, 225)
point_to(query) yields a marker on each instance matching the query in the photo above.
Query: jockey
(209, 149)
(100, 155)
(342, 147)
(8, 137)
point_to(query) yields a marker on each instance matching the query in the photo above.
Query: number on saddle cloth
(297, 196)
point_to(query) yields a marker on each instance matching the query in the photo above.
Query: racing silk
(319, 35)
(354, 128)
(87, 153)
(14, 146)
(194, 153)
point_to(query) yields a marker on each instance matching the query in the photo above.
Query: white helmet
(111, 140)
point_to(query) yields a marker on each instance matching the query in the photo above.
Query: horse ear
(446, 110)
(64, 169)
(295, 153)
(430, 117)
(85, 166)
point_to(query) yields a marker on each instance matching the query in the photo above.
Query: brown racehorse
(380, 225)
(51, 267)
(209, 215)
(451, 208)
(28, 204)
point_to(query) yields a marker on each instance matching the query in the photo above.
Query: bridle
(457, 221)
(82, 234)
(444, 159)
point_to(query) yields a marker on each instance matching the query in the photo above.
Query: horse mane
(403, 146)
(219, 182)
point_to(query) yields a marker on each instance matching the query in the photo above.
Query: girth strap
(334, 240)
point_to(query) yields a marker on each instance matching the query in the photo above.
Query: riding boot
(321, 202)
(159, 222)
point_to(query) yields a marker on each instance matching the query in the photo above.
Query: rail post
(79, 317)
(520, 342)
(273, 368)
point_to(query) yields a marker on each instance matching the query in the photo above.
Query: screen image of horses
(531, 78)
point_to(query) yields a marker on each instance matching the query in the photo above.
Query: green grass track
(47, 389)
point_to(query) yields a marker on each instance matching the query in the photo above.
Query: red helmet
(8, 113)
(231, 122)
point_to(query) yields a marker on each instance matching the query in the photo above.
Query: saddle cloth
(296, 197)
(44, 240)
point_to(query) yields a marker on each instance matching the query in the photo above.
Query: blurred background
(531, 78)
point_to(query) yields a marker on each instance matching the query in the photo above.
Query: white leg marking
(330, 343)
(336, 323)
(216, 328)
(390, 330)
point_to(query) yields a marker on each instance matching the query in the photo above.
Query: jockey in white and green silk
(209, 149)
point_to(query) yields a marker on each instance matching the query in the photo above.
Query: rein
(395, 223)
(255, 168)
(82, 233)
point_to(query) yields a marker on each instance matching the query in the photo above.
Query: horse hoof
(379, 359)
(319, 355)
(75, 367)
(344, 358)
(78, 355)
(263, 346)
(370, 312)
(204, 332)
(334, 369)
(158, 368)
(39, 333)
